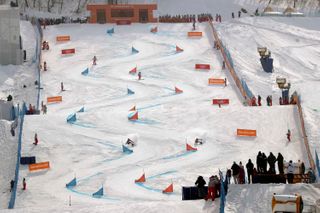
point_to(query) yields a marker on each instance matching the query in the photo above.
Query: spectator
(235, 172)
(241, 174)
(249, 167)
(272, 160)
(211, 189)
(11, 185)
(290, 170)
(280, 163)
(200, 183)
(24, 184)
(302, 168)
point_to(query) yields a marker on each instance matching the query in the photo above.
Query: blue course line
(178, 155)
(162, 174)
(148, 187)
(87, 178)
(81, 124)
(110, 145)
(90, 195)
(147, 107)
(144, 121)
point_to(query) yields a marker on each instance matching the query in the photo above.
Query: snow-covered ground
(90, 149)
(294, 44)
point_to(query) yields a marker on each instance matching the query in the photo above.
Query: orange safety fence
(213, 81)
(63, 38)
(54, 99)
(194, 34)
(247, 132)
(38, 166)
(305, 137)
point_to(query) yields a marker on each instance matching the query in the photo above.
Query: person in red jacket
(289, 135)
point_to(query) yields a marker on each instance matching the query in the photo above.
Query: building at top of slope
(121, 13)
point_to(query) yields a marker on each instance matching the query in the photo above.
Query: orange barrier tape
(54, 99)
(202, 66)
(37, 166)
(193, 34)
(63, 38)
(246, 132)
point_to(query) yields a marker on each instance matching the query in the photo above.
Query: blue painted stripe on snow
(178, 155)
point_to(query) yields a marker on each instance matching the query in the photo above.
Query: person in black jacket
(200, 183)
(259, 162)
(11, 185)
(280, 163)
(264, 163)
(249, 167)
(235, 172)
(272, 160)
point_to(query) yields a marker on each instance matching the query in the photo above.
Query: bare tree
(26, 3)
(48, 6)
(34, 4)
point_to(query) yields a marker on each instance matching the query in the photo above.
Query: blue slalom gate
(81, 110)
(85, 72)
(99, 193)
(130, 92)
(72, 183)
(71, 118)
(110, 31)
(126, 150)
(134, 50)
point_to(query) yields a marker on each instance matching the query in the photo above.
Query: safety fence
(38, 56)
(241, 84)
(21, 113)
(317, 163)
(304, 134)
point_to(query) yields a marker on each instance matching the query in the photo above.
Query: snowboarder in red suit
(289, 135)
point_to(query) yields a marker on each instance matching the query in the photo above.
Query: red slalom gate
(220, 101)
(202, 66)
(68, 51)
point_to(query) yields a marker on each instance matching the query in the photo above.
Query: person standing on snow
(272, 160)
(35, 139)
(249, 167)
(280, 163)
(62, 88)
(235, 172)
(239, 14)
(24, 184)
(211, 189)
(259, 100)
(94, 60)
(200, 183)
(242, 176)
(232, 14)
(139, 75)
(290, 171)
(11, 185)
(259, 162)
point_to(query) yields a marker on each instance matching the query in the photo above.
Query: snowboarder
(35, 139)
(11, 185)
(249, 167)
(259, 100)
(24, 184)
(200, 183)
(289, 135)
(62, 88)
(139, 75)
(45, 66)
(225, 82)
(130, 142)
(198, 141)
(223, 65)
(94, 60)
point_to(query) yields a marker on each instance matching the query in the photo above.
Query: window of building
(121, 13)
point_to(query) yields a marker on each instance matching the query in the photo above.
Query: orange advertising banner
(213, 81)
(63, 38)
(38, 166)
(193, 34)
(54, 99)
(247, 132)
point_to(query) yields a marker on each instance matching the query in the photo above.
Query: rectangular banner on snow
(194, 34)
(38, 166)
(247, 132)
(220, 101)
(63, 38)
(213, 81)
(68, 51)
(202, 66)
(54, 99)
